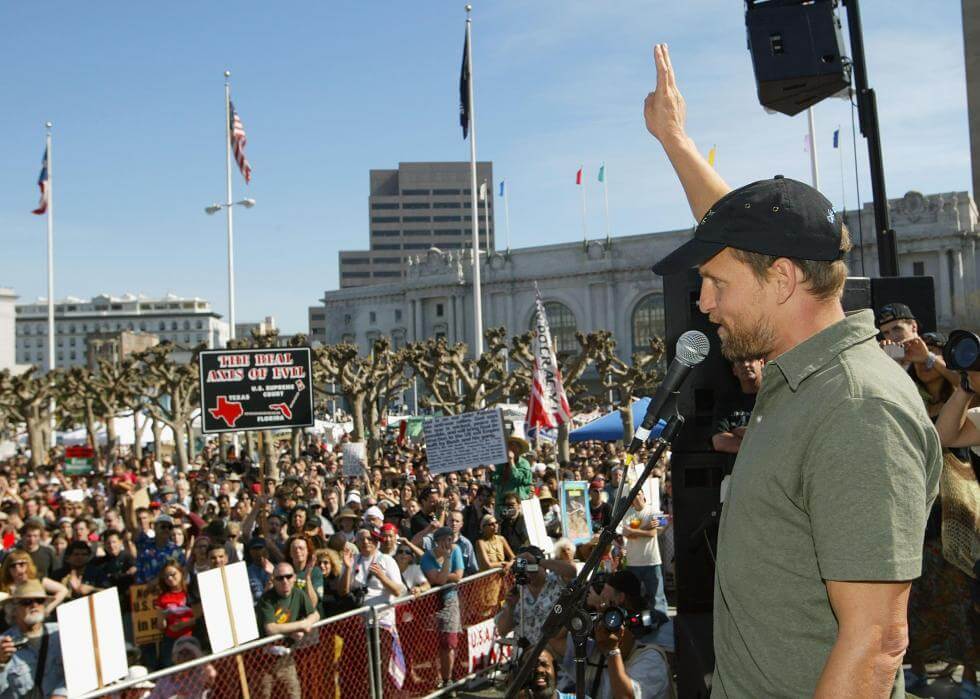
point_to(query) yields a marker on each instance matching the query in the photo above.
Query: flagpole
(506, 197)
(477, 292)
(585, 234)
(51, 364)
(228, 210)
(814, 176)
(605, 197)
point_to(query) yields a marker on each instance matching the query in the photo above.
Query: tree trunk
(157, 427)
(91, 430)
(138, 435)
(180, 446)
(110, 431)
(626, 415)
(189, 426)
(357, 415)
(563, 447)
(250, 444)
(296, 441)
(269, 455)
(35, 439)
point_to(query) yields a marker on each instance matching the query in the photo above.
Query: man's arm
(565, 569)
(303, 625)
(955, 429)
(871, 639)
(665, 113)
(726, 442)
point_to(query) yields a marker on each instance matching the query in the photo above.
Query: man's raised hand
(664, 110)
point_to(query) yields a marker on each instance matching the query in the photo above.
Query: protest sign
(145, 630)
(534, 521)
(355, 458)
(651, 486)
(482, 650)
(75, 495)
(576, 517)
(455, 442)
(141, 498)
(79, 460)
(256, 389)
(227, 602)
(93, 648)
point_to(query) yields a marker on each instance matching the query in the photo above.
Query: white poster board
(534, 521)
(354, 458)
(482, 652)
(651, 487)
(216, 606)
(83, 624)
(455, 442)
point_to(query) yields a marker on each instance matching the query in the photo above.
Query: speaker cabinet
(796, 49)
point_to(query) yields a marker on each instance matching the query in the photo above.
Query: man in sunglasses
(39, 660)
(284, 609)
(153, 553)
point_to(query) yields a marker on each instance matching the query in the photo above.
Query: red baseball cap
(597, 484)
(389, 527)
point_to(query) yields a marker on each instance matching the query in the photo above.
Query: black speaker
(918, 293)
(796, 49)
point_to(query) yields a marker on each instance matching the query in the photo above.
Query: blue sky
(329, 90)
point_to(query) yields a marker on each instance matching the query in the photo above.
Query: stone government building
(602, 286)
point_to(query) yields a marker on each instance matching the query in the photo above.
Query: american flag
(42, 182)
(238, 142)
(547, 406)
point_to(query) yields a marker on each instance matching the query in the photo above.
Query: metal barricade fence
(334, 660)
(427, 627)
(389, 650)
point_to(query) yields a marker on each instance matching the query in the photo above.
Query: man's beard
(34, 618)
(748, 341)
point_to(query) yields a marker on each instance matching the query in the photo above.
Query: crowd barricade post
(334, 660)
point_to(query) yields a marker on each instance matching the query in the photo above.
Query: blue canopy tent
(609, 427)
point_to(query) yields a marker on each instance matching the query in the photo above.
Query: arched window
(648, 322)
(561, 320)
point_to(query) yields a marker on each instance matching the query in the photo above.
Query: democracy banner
(256, 389)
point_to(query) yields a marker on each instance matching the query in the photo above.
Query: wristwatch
(930, 361)
(614, 651)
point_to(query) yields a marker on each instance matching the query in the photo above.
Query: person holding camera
(512, 526)
(620, 666)
(377, 578)
(30, 651)
(538, 581)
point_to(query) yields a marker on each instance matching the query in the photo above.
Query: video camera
(962, 351)
(523, 567)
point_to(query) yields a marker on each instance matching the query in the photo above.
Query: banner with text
(455, 442)
(256, 389)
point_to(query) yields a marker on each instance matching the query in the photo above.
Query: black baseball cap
(894, 311)
(779, 217)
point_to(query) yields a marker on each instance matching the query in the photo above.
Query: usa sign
(256, 389)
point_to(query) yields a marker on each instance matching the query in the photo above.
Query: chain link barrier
(391, 651)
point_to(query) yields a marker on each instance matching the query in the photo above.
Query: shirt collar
(818, 351)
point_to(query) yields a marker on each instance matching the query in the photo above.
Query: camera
(508, 511)
(614, 619)
(962, 351)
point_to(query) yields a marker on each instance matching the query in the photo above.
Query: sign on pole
(79, 460)
(145, 631)
(228, 613)
(534, 522)
(455, 442)
(482, 649)
(576, 517)
(256, 389)
(93, 648)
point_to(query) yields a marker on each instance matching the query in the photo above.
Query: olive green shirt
(833, 481)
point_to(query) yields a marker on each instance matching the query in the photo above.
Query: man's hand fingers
(671, 80)
(661, 63)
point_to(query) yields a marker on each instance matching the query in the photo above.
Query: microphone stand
(568, 611)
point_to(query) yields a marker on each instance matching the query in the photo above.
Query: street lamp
(215, 208)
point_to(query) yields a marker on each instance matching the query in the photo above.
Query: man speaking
(822, 530)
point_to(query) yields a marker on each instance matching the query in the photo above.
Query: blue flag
(501, 188)
(836, 136)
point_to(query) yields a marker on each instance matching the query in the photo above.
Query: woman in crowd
(412, 574)
(176, 617)
(492, 550)
(337, 570)
(18, 568)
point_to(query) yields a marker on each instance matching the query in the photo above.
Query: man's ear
(786, 276)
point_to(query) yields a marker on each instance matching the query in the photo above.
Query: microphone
(691, 349)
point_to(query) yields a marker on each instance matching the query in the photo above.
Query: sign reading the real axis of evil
(256, 389)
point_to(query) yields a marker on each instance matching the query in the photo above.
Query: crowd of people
(317, 543)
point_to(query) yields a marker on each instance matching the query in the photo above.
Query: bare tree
(173, 392)
(640, 377)
(26, 398)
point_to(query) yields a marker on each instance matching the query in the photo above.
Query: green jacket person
(513, 476)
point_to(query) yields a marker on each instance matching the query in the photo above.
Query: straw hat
(32, 589)
(138, 672)
(545, 494)
(346, 512)
(520, 446)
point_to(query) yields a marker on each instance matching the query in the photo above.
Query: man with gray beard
(21, 666)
